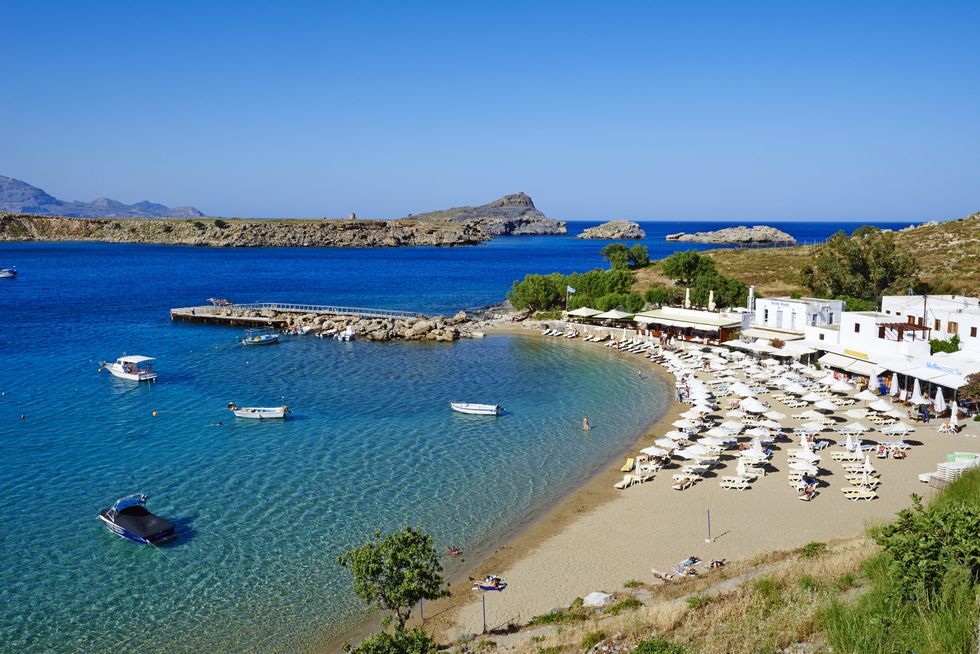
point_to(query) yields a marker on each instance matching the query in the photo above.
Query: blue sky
(672, 110)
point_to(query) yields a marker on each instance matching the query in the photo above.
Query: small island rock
(614, 230)
(741, 234)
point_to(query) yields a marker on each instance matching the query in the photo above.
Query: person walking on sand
(585, 423)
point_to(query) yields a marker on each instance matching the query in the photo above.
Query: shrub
(698, 601)
(198, 225)
(626, 604)
(686, 266)
(411, 641)
(809, 584)
(116, 226)
(621, 257)
(659, 295)
(865, 266)
(168, 228)
(485, 644)
(845, 582)
(658, 645)
(632, 583)
(592, 639)
(951, 345)
(220, 224)
(777, 343)
(812, 550)
(769, 590)
(546, 315)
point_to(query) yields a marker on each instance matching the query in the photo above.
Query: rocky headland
(614, 230)
(511, 215)
(755, 234)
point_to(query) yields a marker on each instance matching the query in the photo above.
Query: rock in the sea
(741, 234)
(614, 229)
(511, 215)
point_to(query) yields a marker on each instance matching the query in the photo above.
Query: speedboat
(346, 335)
(128, 518)
(8, 273)
(258, 412)
(128, 367)
(476, 409)
(264, 336)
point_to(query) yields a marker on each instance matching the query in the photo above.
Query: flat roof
(701, 318)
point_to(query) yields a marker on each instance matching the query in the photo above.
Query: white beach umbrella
(711, 300)
(718, 432)
(771, 424)
(753, 405)
(916, 393)
(849, 443)
(733, 426)
(654, 451)
(880, 406)
(807, 455)
(666, 443)
(866, 396)
(795, 388)
(740, 468)
(898, 428)
(813, 373)
(939, 402)
(829, 380)
(677, 435)
(687, 298)
(758, 432)
(841, 386)
(774, 415)
(825, 405)
(812, 397)
(739, 388)
(856, 413)
(857, 427)
(692, 452)
(866, 478)
(803, 466)
(893, 390)
(691, 414)
(770, 362)
(685, 424)
(867, 464)
(953, 418)
(895, 413)
(735, 413)
(814, 426)
(712, 441)
(810, 414)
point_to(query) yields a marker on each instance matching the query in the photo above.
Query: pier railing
(326, 308)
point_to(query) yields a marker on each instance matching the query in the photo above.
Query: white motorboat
(346, 335)
(8, 273)
(128, 367)
(264, 336)
(476, 409)
(258, 412)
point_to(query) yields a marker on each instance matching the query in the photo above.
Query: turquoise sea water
(263, 509)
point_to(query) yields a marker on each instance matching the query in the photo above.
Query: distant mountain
(510, 215)
(20, 197)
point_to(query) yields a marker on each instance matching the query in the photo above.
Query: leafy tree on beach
(971, 390)
(403, 641)
(395, 571)
(864, 266)
(538, 293)
(621, 257)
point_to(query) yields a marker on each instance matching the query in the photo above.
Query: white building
(944, 315)
(795, 314)
(865, 339)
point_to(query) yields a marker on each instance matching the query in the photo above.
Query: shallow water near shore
(263, 509)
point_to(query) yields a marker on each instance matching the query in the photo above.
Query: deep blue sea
(264, 509)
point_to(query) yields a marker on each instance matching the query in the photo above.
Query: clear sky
(598, 110)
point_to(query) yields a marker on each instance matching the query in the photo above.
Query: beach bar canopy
(584, 312)
(615, 314)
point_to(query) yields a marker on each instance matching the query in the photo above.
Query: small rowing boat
(258, 412)
(264, 336)
(476, 409)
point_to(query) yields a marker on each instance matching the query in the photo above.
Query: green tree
(538, 293)
(688, 265)
(403, 641)
(864, 266)
(971, 390)
(395, 571)
(728, 292)
(659, 294)
(617, 254)
(639, 256)
(939, 345)
(630, 302)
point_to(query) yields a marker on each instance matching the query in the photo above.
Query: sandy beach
(599, 537)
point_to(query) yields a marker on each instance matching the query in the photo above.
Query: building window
(765, 315)
(938, 326)
(952, 327)
(821, 337)
(881, 331)
(831, 319)
(973, 332)
(857, 327)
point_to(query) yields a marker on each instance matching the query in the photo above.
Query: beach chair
(629, 465)
(628, 480)
(734, 483)
(683, 483)
(855, 493)
(857, 481)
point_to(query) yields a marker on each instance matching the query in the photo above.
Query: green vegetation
(812, 550)
(167, 229)
(199, 226)
(410, 641)
(624, 605)
(865, 266)
(971, 390)
(591, 639)
(632, 583)
(696, 602)
(548, 292)
(395, 571)
(950, 345)
(220, 224)
(658, 645)
(923, 585)
(697, 271)
(621, 257)
(562, 616)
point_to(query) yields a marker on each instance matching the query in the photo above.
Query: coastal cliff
(511, 215)
(239, 233)
(614, 230)
(741, 234)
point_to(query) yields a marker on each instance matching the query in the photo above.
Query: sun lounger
(628, 466)
(858, 481)
(854, 494)
(734, 483)
(628, 480)
(683, 483)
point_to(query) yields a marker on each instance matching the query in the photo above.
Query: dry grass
(771, 602)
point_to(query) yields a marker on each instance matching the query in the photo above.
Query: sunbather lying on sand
(666, 576)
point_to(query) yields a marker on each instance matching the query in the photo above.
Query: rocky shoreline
(762, 234)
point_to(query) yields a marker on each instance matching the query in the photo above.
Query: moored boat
(258, 412)
(476, 409)
(129, 518)
(264, 336)
(8, 273)
(128, 367)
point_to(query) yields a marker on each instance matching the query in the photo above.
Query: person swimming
(585, 423)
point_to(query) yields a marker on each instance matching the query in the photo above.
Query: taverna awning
(584, 312)
(613, 315)
(850, 364)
